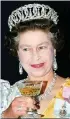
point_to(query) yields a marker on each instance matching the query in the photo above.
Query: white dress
(7, 94)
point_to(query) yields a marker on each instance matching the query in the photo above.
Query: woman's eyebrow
(26, 45)
(43, 43)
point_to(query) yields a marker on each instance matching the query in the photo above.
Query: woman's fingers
(20, 106)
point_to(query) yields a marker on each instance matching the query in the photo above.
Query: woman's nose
(36, 55)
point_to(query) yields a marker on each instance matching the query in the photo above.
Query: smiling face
(36, 52)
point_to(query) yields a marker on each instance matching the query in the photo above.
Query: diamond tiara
(32, 12)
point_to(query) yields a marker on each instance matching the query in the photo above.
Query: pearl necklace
(46, 94)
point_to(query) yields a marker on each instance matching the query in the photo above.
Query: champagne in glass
(31, 89)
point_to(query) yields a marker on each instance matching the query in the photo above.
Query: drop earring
(20, 69)
(54, 63)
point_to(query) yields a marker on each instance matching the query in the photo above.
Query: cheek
(24, 57)
(48, 54)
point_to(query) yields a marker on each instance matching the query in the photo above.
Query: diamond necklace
(46, 94)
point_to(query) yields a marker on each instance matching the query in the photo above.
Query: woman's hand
(19, 107)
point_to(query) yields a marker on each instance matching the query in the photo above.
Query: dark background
(9, 64)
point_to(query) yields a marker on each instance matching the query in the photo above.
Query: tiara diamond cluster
(32, 12)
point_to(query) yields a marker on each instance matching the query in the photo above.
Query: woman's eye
(25, 49)
(42, 47)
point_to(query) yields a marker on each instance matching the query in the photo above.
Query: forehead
(33, 37)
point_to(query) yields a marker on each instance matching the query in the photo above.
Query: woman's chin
(37, 74)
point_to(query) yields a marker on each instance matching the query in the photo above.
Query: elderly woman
(34, 39)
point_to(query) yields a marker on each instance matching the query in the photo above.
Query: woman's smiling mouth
(37, 65)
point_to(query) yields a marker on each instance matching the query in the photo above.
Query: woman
(35, 37)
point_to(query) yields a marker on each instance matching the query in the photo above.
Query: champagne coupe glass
(30, 89)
